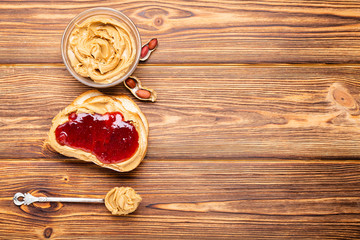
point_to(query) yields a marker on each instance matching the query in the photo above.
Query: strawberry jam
(107, 136)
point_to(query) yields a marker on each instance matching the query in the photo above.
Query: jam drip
(107, 136)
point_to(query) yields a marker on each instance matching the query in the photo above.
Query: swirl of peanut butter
(122, 201)
(101, 48)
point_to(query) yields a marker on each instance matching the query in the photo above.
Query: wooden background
(255, 133)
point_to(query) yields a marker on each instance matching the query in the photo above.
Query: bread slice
(94, 101)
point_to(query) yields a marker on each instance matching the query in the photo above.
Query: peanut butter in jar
(102, 49)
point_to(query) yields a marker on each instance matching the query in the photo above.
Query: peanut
(153, 43)
(130, 83)
(144, 51)
(145, 94)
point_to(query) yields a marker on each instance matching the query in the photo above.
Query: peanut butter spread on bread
(95, 102)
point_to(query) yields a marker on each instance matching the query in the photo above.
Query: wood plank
(198, 31)
(186, 199)
(227, 112)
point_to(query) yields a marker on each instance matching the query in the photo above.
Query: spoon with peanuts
(119, 200)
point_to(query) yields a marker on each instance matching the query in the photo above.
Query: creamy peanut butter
(122, 201)
(102, 49)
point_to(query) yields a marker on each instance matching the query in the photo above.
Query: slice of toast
(94, 101)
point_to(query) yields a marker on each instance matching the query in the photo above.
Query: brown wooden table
(255, 133)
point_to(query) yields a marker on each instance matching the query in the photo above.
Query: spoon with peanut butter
(119, 200)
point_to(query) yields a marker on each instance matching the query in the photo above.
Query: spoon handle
(27, 199)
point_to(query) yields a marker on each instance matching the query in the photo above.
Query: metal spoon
(29, 199)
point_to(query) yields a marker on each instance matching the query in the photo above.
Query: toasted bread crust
(94, 101)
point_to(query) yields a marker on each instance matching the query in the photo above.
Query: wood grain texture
(187, 199)
(271, 31)
(252, 136)
(203, 112)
